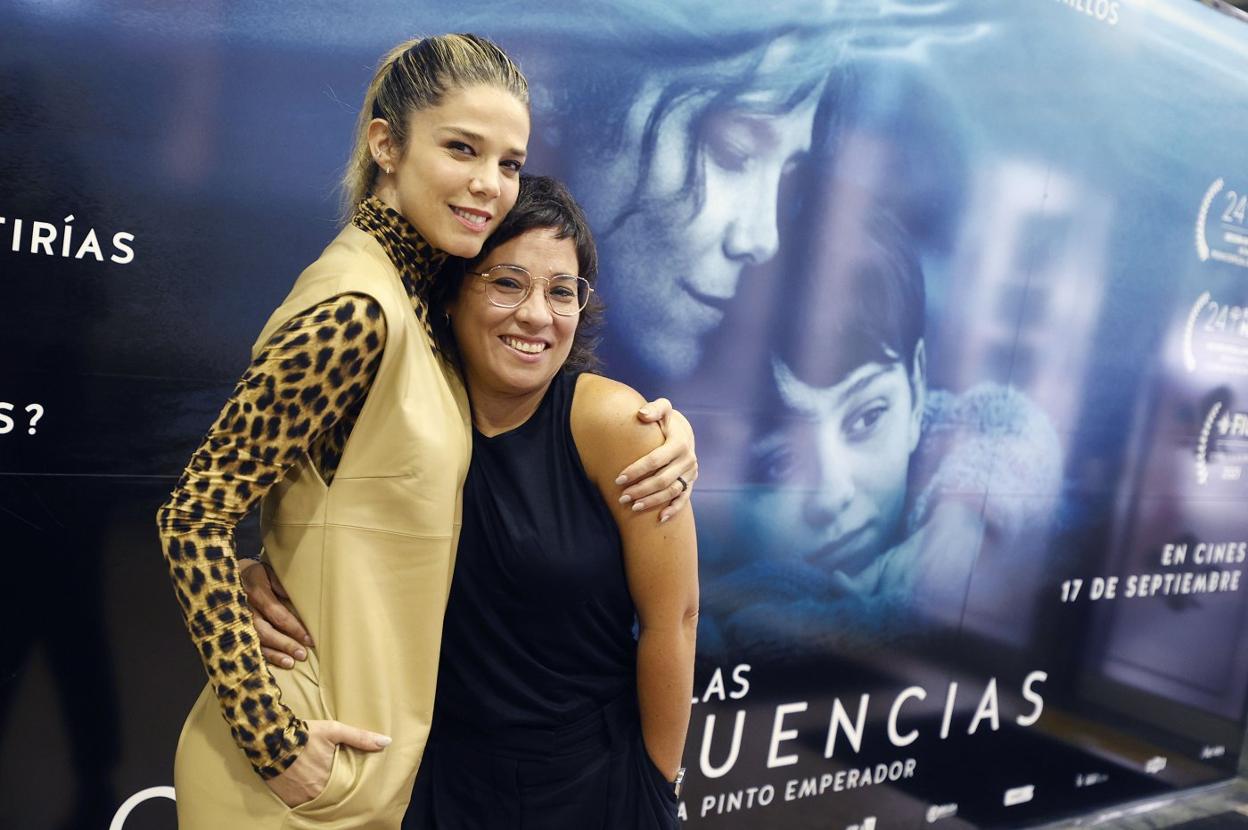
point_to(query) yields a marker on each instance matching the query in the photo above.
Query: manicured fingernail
(621, 478)
(625, 499)
(300, 654)
(383, 740)
(287, 663)
(641, 505)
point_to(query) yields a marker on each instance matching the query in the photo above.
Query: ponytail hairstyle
(414, 76)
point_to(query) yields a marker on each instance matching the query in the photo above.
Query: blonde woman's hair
(416, 75)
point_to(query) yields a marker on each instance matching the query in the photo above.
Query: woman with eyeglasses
(550, 711)
(354, 431)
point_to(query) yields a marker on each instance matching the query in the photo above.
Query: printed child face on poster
(847, 527)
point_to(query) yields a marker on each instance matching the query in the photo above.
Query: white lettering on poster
(987, 709)
(987, 714)
(33, 412)
(810, 786)
(848, 779)
(738, 800)
(1222, 225)
(847, 735)
(853, 731)
(1215, 560)
(1215, 335)
(127, 806)
(895, 737)
(1222, 445)
(1105, 11)
(52, 239)
(716, 689)
(710, 770)
(779, 735)
(1030, 695)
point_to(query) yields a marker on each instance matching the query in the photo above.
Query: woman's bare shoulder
(600, 397)
(605, 426)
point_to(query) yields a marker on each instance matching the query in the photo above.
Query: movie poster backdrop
(954, 291)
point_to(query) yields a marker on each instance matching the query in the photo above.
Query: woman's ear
(918, 393)
(382, 145)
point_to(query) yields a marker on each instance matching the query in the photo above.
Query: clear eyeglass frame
(503, 296)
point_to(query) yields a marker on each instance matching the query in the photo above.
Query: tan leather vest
(367, 562)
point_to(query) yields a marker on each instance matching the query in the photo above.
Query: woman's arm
(664, 478)
(660, 560)
(312, 371)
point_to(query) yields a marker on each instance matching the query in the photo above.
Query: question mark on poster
(34, 411)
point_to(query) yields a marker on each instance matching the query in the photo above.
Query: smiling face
(676, 261)
(834, 472)
(511, 354)
(458, 174)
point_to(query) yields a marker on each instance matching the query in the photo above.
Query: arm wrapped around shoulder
(660, 561)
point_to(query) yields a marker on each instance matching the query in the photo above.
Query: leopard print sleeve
(297, 399)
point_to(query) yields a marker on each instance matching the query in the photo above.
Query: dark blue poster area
(954, 291)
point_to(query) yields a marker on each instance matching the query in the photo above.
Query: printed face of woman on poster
(684, 190)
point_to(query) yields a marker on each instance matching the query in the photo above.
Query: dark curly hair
(543, 203)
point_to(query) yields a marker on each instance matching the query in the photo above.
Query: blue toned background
(1060, 185)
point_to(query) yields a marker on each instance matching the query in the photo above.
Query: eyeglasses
(507, 286)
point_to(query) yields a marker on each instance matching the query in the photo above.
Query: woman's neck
(494, 413)
(415, 258)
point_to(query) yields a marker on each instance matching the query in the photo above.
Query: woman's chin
(459, 246)
(525, 379)
(454, 239)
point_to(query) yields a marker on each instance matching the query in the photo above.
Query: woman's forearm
(660, 562)
(200, 552)
(664, 689)
(263, 430)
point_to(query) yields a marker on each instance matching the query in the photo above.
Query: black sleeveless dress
(535, 720)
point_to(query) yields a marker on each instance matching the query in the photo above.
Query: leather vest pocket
(342, 774)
